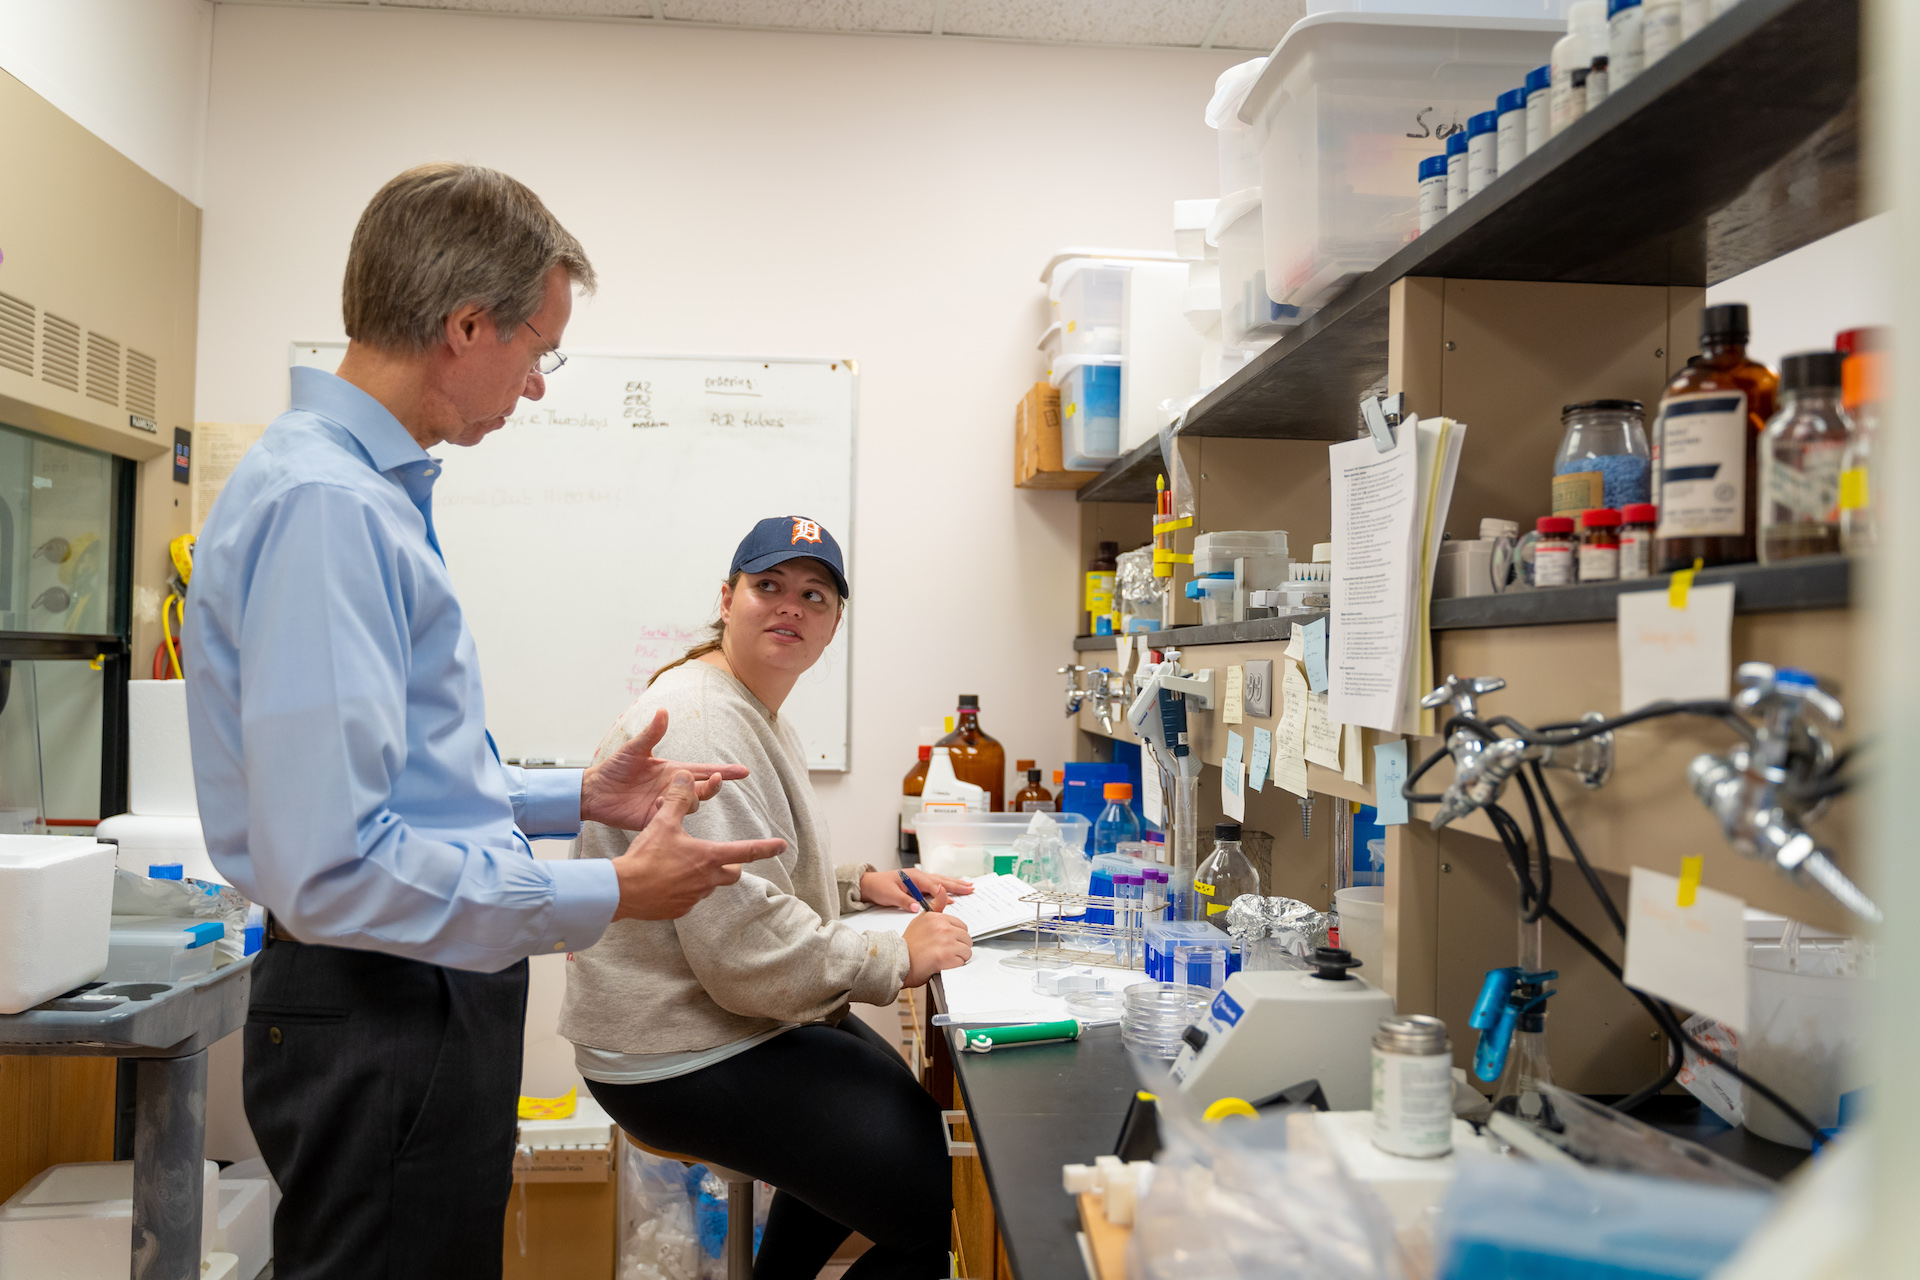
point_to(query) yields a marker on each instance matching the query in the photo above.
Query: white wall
(890, 200)
(1799, 301)
(134, 72)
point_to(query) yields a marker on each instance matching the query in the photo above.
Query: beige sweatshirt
(754, 955)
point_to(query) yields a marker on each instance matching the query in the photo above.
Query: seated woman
(726, 1034)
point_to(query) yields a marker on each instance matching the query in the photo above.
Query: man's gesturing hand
(665, 871)
(624, 789)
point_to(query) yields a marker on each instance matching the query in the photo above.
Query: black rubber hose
(1579, 856)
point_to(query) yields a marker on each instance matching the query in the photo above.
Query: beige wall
(891, 200)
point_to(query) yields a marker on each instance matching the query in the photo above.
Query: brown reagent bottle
(1706, 457)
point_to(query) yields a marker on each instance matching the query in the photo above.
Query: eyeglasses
(550, 361)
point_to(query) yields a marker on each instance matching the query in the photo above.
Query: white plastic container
(1483, 150)
(1539, 107)
(245, 1225)
(1511, 133)
(56, 901)
(1090, 295)
(1239, 140)
(1337, 100)
(159, 764)
(943, 787)
(1090, 389)
(1456, 171)
(161, 949)
(1249, 317)
(1626, 47)
(1660, 30)
(1190, 218)
(1433, 191)
(1586, 39)
(1805, 1033)
(75, 1222)
(963, 844)
(1363, 926)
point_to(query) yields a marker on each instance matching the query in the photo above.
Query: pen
(914, 890)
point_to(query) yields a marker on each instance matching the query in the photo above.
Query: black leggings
(833, 1118)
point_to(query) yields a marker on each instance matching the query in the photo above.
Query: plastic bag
(673, 1218)
(136, 895)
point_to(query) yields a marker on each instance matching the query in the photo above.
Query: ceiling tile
(1165, 22)
(1258, 24)
(815, 15)
(537, 8)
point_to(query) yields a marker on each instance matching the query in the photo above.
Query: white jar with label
(1694, 15)
(1412, 1087)
(1626, 48)
(1661, 30)
(1539, 105)
(1510, 130)
(1433, 191)
(1456, 171)
(1483, 156)
(1597, 83)
(1585, 40)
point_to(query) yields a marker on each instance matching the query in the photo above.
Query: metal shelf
(1740, 146)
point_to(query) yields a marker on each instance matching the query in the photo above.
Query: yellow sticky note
(1233, 699)
(560, 1108)
(1689, 887)
(1680, 584)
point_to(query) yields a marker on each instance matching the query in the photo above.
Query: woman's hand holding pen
(883, 889)
(935, 941)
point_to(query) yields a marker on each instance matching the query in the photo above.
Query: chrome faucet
(1482, 764)
(1752, 789)
(1075, 694)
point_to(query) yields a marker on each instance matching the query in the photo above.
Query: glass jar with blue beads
(1603, 459)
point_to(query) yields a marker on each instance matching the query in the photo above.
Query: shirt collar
(328, 396)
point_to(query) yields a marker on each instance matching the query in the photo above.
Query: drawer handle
(955, 1148)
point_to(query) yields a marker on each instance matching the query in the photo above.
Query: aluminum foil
(1292, 925)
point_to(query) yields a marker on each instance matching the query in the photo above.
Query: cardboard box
(570, 1231)
(563, 1164)
(1036, 436)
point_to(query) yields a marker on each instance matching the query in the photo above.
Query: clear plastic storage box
(1089, 410)
(1249, 317)
(1347, 107)
(161, 948)
(968, 841)
(1089, 297)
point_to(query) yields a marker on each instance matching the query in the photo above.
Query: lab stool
(738, 1252)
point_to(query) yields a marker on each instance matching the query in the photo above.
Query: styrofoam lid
(1230, 209)
(1302, 38)
(1192, 215)
(1121, 256)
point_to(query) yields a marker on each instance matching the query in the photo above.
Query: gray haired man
(346, 777)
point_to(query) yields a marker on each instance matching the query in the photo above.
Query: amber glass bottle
(977, 757)
(1033, 797)
(910, 789)
(1706, 455)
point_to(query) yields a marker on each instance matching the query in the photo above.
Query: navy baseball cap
(779, 539)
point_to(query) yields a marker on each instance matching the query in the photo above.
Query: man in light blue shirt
(347, 781)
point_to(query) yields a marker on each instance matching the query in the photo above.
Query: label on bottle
(1566, 103)
(1412, 1103)
(1659, 32)
(1853, 489)
(1579, 491)
(1636, 554)
(1625, 49)
(1433, 200)
(1207, 889)
(1456, 182)
(1694, 14)
(1807, 492)
(1703, 465)
(1552, 564)
(1510, 139)
(1483, 161)
(1037, 806)
(1099, 591)
(1599, 563)
(1596, 87)
(1538, 103)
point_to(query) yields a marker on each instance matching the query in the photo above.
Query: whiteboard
(588, 538)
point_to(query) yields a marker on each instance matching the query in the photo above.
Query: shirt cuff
(548, 806)
(586, 892)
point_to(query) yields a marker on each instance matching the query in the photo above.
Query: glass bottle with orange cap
(1862, 392)
(1117, 824)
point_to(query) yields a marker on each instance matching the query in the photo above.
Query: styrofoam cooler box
(245, 1225)
(1089, 410)
(75, 1222)
(1249, 317)
(56, 902)
(159, 764)
(1349, 104)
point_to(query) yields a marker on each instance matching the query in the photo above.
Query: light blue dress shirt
(346, 778)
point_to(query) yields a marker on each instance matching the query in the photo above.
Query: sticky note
(1232, 697)
(1297, 643)
(1236, 746)
(1316, 645)
(1290, 741)
(1233, 792)
(1389, 775)
(1680, 654)
(1262, 759)
(1323, 736)
(1693, 956)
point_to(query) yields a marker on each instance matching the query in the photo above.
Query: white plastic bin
(1348, 105)
(1239, 140)
(963, 844)
(1805, 1032)
(1363, 926)
(245, 1225)
(1089, 410)
(1089, 297)
(1249, 317)
(56, 899)
(161, 948)
(1190, 218)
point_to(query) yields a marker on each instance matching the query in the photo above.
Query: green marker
(990, 1038)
